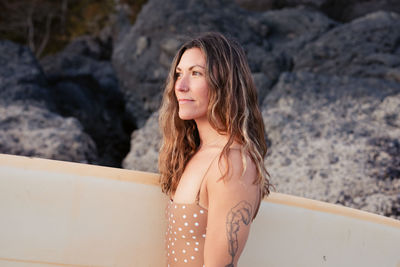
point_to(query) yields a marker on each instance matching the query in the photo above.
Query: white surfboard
(55, 213)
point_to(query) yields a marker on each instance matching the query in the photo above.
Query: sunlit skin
(192, 94)
(191, 88)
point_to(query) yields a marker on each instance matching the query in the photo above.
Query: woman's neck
(209, 136)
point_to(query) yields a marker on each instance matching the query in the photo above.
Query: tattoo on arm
(240, 213)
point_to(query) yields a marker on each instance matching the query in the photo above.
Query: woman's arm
(231, 205)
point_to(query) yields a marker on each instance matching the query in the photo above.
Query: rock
(145, 144)
(83, 85)
(340, 10)
(84, 57)
(322, 131)
(366, 47)
(388, 111)
(96, 48)
(28, 123)
(36, 132)
(256, 5)
(120, 22)
(263, 84)
(289, 31)
(294, 27)
(21, 78)
(348, 10)
(263, 5)
(385, 157)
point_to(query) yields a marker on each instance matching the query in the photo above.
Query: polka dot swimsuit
(185, 234)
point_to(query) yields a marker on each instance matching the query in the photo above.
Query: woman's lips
(184, 100)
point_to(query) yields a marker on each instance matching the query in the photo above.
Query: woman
(211, 158)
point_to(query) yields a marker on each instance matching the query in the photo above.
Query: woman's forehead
(192, 57)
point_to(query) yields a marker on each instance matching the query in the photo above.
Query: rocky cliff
(329, 90)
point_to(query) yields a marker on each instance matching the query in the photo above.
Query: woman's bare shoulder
(233, 168)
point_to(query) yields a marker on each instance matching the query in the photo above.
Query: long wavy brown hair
(232, 110)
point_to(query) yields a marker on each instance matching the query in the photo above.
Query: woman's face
(191, 88)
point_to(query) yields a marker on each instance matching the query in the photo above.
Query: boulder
(292, 28)
(263, 5)
(83, 85)
(36, 132)
(262, 83)
(28, 123)
(335, 139)
(21, 78)
(289, 30)
(145, 144)
(348, 10)
(340, 10)
(366, 47)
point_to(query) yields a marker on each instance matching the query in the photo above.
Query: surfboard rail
(153, 179)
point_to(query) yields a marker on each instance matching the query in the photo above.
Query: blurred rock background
(81, 80)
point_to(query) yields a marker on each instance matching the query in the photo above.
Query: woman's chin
(185, 117)
(192, 116)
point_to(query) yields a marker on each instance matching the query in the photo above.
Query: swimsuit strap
(202, 181)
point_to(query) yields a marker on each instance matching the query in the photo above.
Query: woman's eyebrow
(191, 67)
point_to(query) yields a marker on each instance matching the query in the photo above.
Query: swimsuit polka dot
(189, 244)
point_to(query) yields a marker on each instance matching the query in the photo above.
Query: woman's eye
(178, 74)
(196, 73)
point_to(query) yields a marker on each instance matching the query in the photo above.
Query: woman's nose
(182, 84)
